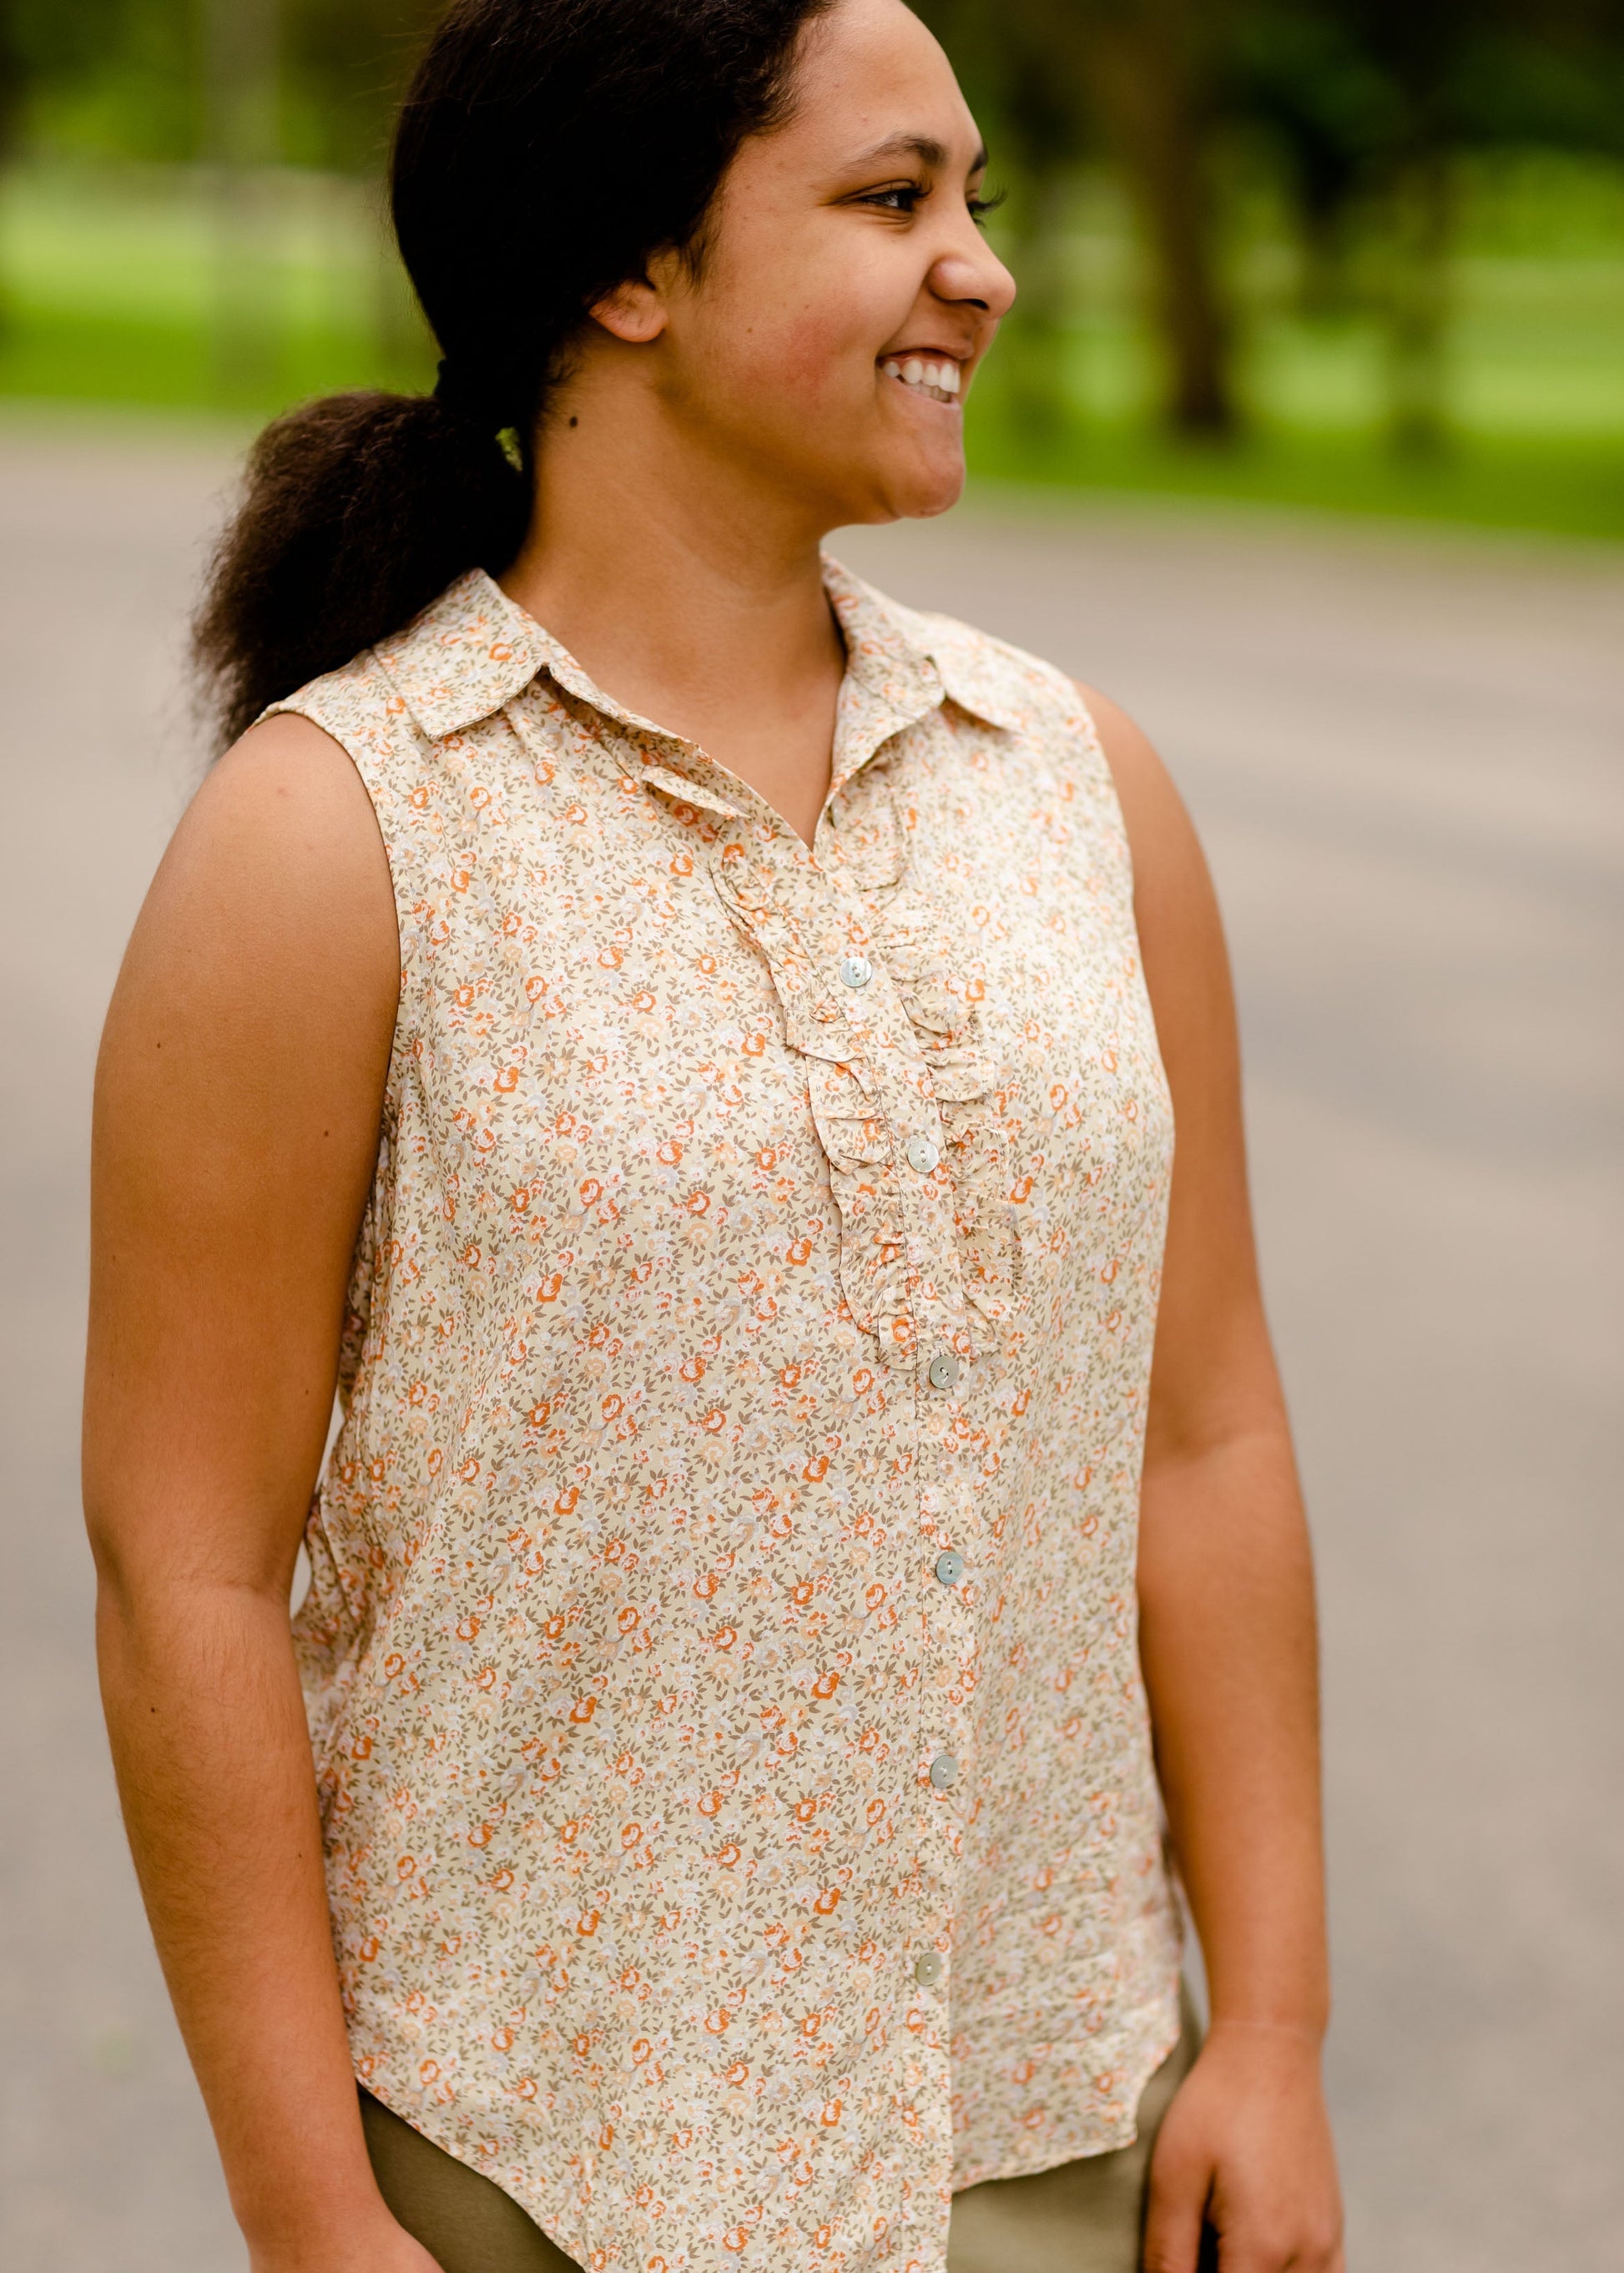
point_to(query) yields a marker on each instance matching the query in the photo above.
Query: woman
(662, 1027)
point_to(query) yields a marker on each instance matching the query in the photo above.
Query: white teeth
(941, 378)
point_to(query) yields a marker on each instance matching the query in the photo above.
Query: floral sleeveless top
(721, 1660)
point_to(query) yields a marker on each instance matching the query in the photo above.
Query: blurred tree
(1037, 129)
(1360, 100)
(246, 87)
(144, 78)
(1364, 106)
(1154, 69)
(1548, 73)
(102, 77)
(348, 67)
(1419, 53)
(64, 64)
(1142, 75)
(1299, 79)
(1370, 105)
(241, 75)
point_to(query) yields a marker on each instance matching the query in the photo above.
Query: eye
(980, 207)
(897, 197)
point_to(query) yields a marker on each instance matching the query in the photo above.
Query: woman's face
(847, 296)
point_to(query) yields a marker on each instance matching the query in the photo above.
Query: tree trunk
(1417, 305)
(1146, 61)
(14, 95)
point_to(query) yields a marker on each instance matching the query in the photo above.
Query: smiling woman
(691, 1048)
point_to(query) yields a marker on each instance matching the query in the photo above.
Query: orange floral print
(740, 1826)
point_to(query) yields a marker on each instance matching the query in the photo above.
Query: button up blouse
(720, 1655)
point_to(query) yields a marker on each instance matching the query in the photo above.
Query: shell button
(950, 1568)
(926, 1969)
(856, 970)
(923, 1154)
(942, 1371)
(943, 1770)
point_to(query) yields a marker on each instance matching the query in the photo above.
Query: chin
(944, 496)
(919, 493)
(922, 500)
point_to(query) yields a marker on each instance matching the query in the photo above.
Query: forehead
(870, 74)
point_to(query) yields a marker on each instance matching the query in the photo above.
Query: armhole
(370, 752)
(1104, 776)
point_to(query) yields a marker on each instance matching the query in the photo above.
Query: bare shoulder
(286, 792)
(1159, 827)
(1168, 860)
(277, 862)
(1175, 909)
(267, 940)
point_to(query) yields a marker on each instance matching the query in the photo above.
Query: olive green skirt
(1082, 2217)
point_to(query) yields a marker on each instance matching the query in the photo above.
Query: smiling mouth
(934, 376)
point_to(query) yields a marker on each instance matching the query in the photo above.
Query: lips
(936, 376)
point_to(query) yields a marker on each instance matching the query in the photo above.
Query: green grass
(126, 288)
(130, 290)
(1572, 488)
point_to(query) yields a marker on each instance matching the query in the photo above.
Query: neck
(687, 589)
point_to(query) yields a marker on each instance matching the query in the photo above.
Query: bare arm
(1227, 1619)
(236, 1117)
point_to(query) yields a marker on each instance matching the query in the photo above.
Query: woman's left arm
(1227, 1620)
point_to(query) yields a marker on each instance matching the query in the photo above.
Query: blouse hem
(1051, 2156)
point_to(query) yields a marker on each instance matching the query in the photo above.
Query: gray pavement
(1404, 752)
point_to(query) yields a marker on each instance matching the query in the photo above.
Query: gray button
(944, 1370)
(950, 1568)
(857, 971)
(923, 1154)
(927, 1968)
(943, 1770)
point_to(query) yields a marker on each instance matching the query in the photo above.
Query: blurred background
(1360, 253)
(1306, 441)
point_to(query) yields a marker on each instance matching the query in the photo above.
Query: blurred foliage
(1260, 243)
(129, 79)
(1358, 110)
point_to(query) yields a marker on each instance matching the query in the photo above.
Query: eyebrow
(923, 147)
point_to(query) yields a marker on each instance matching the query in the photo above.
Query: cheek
(801, 362)
(792, 334)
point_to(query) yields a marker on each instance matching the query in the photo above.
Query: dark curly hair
(545, 150)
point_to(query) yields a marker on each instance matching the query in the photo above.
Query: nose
(971, 272)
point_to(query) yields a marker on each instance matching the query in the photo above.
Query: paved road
(1405, 756)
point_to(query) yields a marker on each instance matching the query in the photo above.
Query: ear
(635, 312)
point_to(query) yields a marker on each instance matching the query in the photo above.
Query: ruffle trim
(943, 1006)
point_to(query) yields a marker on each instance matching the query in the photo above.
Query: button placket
(923, 1199)
(931, 1261)
(903, 1091)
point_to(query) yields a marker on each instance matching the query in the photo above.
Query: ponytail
(358, 511)
(513, 220)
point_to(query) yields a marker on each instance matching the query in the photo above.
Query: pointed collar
(473, 650)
